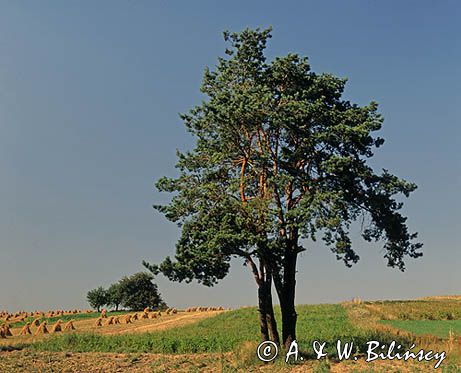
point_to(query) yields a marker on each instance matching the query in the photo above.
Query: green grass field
(224, 332)
(438, 328)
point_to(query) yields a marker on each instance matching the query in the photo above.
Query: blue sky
(89, 99)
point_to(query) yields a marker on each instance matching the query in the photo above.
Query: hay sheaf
(69, 326)
(36, 322)
(42, 329)
(26, 329)
(5, 329)
(56, 327)
(203, 309)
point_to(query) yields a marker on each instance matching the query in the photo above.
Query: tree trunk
(289, 316)
(271, 322)
(286, 292)
(262, 304)
(267, 322)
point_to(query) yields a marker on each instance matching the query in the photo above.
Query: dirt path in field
(184, 319)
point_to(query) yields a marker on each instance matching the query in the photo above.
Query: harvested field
(195, 341)
(29, 361)
(88, 325)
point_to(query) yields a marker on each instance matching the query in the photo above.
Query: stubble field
(226, 341)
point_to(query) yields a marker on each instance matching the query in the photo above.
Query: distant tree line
(135, 293)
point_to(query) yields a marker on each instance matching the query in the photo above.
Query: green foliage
(135, 292)
(279, 157)
(97, 298)
(138, 292)
(115, 296)
(224, 332)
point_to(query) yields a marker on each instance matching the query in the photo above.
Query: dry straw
(36, 322)
(42, 329)
(26, 329)
(56, 327)
(69, 326)
(6, 330)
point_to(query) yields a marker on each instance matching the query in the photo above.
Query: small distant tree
(97, 298)
(138, 292)
(115, 296)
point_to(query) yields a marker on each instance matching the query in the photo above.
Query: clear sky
(90, 93)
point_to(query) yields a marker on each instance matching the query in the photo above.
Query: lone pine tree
(280, 160)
